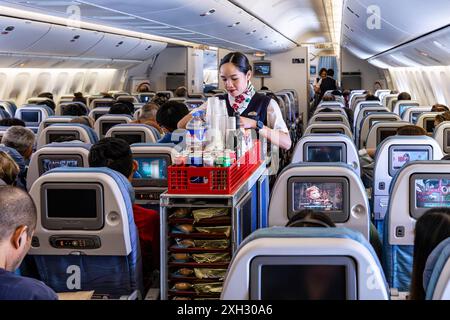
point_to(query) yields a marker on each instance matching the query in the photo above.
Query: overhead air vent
(207, 13)
(119, 44)
(8, 29)
(75, 38)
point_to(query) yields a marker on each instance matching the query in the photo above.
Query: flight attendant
(236, 72)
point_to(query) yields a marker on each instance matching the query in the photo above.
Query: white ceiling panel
(400, 21)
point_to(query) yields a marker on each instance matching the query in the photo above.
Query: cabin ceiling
(410, 33)
(264, 25)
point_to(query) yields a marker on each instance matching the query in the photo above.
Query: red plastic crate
(216, 180)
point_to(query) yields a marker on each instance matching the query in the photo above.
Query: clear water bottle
(197, 131)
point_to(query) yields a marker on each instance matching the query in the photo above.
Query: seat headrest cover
(432, 260)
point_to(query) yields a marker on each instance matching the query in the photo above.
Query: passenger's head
(47, 102)
(170, 114)
(445, 116)
(328, 97)
(411, 130)
(47, 95)
(264, 88)
(235, 71)
(17, 224)
(180, 92)
(115, 154)
(9, 122)
(330, 73)
(78, 97)
(8, 169)
(371, 97)
(404, 96)
(439, 108)
(159, 99)
(86, 120)
(346, 93)
(73, 109)
(377, 85)
(431, 228)
(143, 87)
(19, 138)
(148, 112)
(323, 73)
(122, 107)
(310, 218)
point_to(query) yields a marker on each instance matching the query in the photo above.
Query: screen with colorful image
(325, 154)
(402, 108)
(415, 116)
(151, 168)
(321, 196)
(432, 193)
(261, 68)
(401, 157)
(48, 164)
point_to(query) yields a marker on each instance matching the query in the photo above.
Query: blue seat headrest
(432, 260)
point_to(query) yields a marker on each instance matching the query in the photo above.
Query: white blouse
(275, 119)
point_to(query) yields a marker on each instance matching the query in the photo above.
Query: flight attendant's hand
(247, 123)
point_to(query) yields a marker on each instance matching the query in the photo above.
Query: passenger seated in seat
(9, 122)
(439, 108)
(20, 139)
(168, 117)
(159, 99)
(404, 96)
(78, 97)
(123, 107)
(86, 120)
(309, 218)
(17, 224)
(9, 170)
(371, 97)
(431, 229)
(180, 92)
(366, 156)
(147, 115)
(115, 154)
(73, 109)
(445, 116)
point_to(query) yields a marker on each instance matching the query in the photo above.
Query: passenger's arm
(183, 122)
